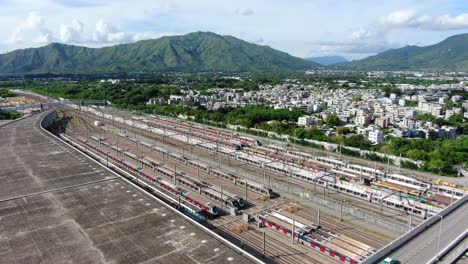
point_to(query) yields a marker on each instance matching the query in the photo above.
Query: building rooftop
(57, 206)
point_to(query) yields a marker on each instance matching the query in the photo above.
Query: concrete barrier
(456, 253)
(396, 244)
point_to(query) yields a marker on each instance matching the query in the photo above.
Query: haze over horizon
(301, 28)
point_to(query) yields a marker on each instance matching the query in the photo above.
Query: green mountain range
(194, 52)
(448, 55)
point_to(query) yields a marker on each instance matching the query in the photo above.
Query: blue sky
(303, 28)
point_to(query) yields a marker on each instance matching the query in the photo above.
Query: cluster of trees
(9, 115)
(439, 155)
(5, 93)
(390, 90)
(125, 94)
(254, 115)
(455, 121)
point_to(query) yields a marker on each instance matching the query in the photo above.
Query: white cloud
(106, 33)
(162, 8)
(411, 19)
(399, 18)
(72, 33)
(32, 30)
(451, 22)
(245, 12)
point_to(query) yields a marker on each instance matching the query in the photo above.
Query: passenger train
(207, 207)
(200, 187)
(252, 186)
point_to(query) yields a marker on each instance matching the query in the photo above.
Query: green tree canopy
(332, 120)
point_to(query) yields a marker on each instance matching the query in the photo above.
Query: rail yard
(290, 206)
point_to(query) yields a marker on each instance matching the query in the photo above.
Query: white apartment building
(305, 121)
(375, 136)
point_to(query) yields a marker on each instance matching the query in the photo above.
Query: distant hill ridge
(193, 52)
(448, 55)
(327, 60)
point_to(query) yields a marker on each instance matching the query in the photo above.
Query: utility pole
(264, 175)
(264, 242)
(246, 193)
(222, 204)
(292, 231)
(178, 196)
(410, 225)
(341, 210)
(399, 163)
(340, 151)
(175, 174)
(388, 163)
(318, 217)
(360, 176)
(137, 172)
(453, 193)
(324, 190)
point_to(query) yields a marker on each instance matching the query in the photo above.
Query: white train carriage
(407, 181)
(149, 162)
(207, 146)
(131, 155)
(352, 189)
(255, 187)
(369, 171)
(97, 139)
(117, 149)
(448, 191)
(198, 201)
(196, 164)
(177, 157)
(225, 199)
(146, 144)
(224, 175)
(301, 155)
(274, 148)
(122, 135)
(298, 174)
(351, 176)
(332, 162)
(164, 171)
(159, 150)
(132, 139)
(250, 160)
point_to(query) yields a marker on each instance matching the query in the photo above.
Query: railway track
(278, 250)
(257, 173)
(372, 240)
(181, 167)
(276, 246)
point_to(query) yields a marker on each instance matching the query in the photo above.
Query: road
(424, 247)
